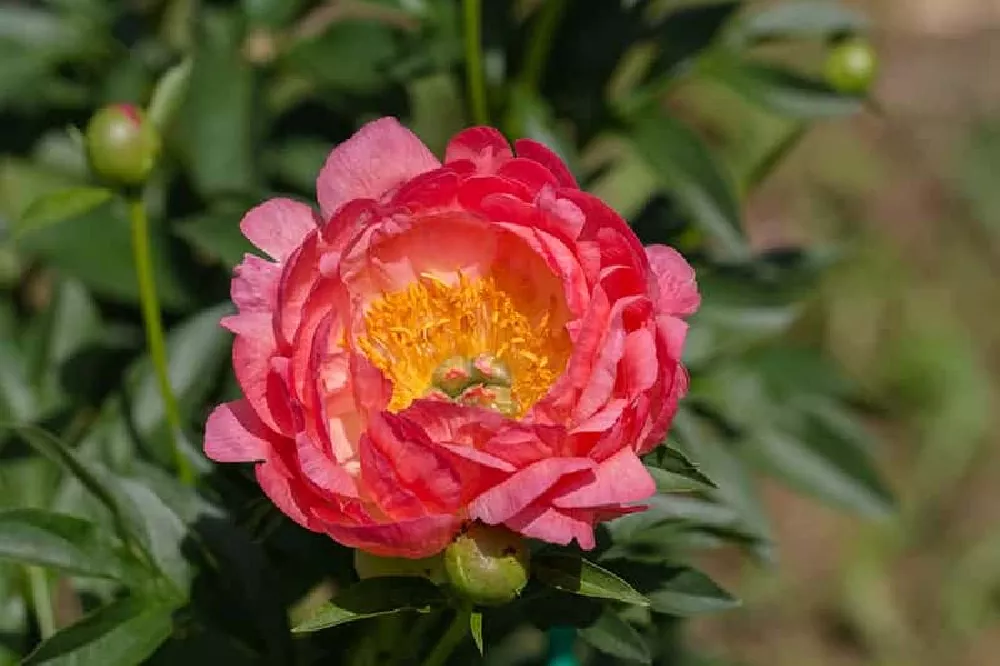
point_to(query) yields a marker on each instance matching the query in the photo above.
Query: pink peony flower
(473, 340)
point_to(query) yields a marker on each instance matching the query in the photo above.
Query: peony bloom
(473, 340)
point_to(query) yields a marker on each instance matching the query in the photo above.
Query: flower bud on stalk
(122, 145)
(851, 66)
(488, 566)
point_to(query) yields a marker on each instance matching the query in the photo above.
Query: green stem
(41, 601)
(154, 334)
(773, 157)
(456, 631)
(540, 42)
(472, 12)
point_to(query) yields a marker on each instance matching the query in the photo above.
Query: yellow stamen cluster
(409, 333)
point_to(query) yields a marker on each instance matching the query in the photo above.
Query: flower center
(470, 341)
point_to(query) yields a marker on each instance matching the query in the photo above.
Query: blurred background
(906, 187)
(911, 317)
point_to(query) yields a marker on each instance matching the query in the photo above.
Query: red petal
(539, 152)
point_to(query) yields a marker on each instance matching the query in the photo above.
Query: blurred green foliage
(109, 561)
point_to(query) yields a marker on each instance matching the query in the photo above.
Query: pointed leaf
(60, 206)
(804, 18)
(126, 632)
(476, 627)
(575, 574)
(169, 94)
(674, 472)
(374, 597)
(33, 536)
(688, 592)
(687, 168)
(614, 636)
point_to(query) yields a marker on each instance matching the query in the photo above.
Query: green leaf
(688, 32)
(686, 592)
(95, 246)
(216, 122)
(614, 636)
(61, 206)
(818, 458)
(349, 55)
(673, 472)
(217, 234)
(686, 167)
(33, 536)
(374, 597)
(165, 534)
(783, 92)
(799, 19)
(123, 633)
(476, 627)
(169, 94)
(577, 575)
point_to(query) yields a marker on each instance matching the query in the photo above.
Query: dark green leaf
(686, 592)
(784, 92)
(217, 235)
(96, 247)
(215, 125)
(798, 19)
(296, 162)
(33, 536)
(349, 55)
(687, 32)
(687, 168)
(673, 472)
(575, 574)
(476, 627)
(164, 532)
(374, 597)
(124, 633)
(614, 636)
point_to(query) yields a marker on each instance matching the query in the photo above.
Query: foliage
(106, 559)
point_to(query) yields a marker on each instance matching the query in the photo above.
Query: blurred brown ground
(916, 319)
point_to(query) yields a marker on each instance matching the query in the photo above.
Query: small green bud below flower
(123, 147)
(372, 566)
(851, 66)
(488, 566)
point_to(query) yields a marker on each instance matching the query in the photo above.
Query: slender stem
(154, 334)
(472, 12)
(41, 601)
(540, 42)
(766, 165)
(456, 631)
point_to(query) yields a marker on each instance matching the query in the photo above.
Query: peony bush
(403, 333)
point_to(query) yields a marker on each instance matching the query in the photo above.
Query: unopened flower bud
(372, 566)
(123, 146)
(851, 66)
(486, 565)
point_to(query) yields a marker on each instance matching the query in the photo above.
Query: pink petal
(619, 480)
(278, 226)
(322, 470)
(280, 487)
(485, 147)
(255, 284)
(539, 152)
(233, 433)
(414, 538)
(506, 499)
(675, 279)
(378, 158)
(531, 174)
(552, 525)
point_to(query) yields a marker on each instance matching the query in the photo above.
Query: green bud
(372, 566)
(122, 145)
(488, 566)
(851, 66)
(453, 375)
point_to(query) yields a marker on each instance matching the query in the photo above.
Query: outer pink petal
(675, 279)
(509, 498)
(278, 226)
(553, 525)
(619, 480)
(539, 152)
(280, 486)
(415, 538)
(377, 159)
(255, 284)
(233, 433)
(485, 147)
